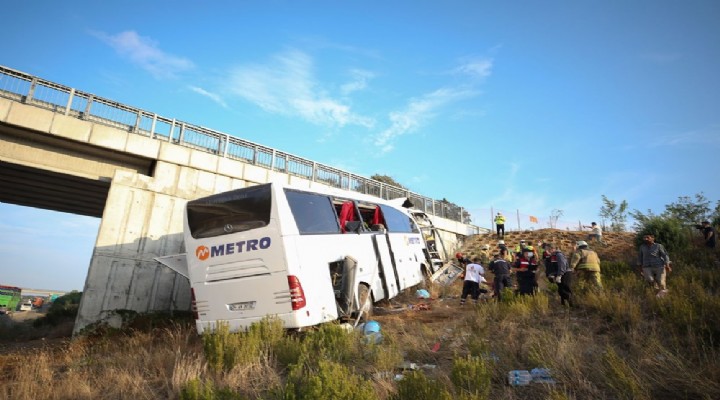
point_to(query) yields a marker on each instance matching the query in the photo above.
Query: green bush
(471, 376)
(615, 269)
(62, 309)
(417, 386)
(224, 349)
(332, 342)
(326, 380)
(667, 231)
(195, 389)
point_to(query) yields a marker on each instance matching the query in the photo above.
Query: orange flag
(533, 219)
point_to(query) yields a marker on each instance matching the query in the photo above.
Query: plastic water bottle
(519, 377)
(542, 375)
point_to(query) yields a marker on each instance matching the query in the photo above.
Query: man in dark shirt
(501, 269)
(709, 234)
(557, 270)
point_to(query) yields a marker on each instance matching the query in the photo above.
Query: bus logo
(226, 249)
(202, 253)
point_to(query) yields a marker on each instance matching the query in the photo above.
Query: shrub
(195, 389)
(615, 269)
(222, 348)
(471, 376)
(667, 231)
(326, 380)
(332, 342)
(417, 386)
(62, 309)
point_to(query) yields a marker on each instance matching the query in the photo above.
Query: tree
(614, 212)
(668, 231)
(641, 218)
(716, 215)
(555, 216)
(387, 180)
(689, 211)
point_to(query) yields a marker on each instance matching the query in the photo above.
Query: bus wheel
(365, 304)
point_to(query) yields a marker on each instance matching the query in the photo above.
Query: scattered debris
(448, 274)
(519, 377)
(523, 377)
(371, 330)
(422, 294)
(541, 375)
(420, 307)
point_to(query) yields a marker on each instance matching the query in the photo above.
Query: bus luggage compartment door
(386, 267)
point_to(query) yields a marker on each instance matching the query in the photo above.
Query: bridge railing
(32, 90)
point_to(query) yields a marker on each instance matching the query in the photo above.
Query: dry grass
(618, 343)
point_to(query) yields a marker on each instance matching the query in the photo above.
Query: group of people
(583, 265)
(524, 263)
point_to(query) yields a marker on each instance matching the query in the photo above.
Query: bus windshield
(230, 212)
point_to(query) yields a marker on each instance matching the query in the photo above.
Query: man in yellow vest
(500, 225)
(586, 264)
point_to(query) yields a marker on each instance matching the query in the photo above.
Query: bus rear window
(314, 213)
(231, 212)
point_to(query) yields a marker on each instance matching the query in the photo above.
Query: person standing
(655, 263)
(485, 254)
(501, 269)
(500, 225)
(525, 267)
(709, 234)
(557, 270)
(596, 232)
(586, 264)
(520, 247)
(473, 276)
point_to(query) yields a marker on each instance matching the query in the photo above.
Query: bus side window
(313, 213)
(396, 221)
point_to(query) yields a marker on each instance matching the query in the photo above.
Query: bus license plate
(246, 305)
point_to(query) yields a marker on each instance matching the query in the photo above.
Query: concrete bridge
(66, 150)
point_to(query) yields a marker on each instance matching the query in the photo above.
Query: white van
(304, 256)
(26, 305)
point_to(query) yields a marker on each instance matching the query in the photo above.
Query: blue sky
(529, 106)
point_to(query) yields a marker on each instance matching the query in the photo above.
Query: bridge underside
(32, 187)
(48, 172)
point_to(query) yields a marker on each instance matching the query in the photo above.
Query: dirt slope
(619, 246)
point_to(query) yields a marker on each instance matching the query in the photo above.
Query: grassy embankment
(619, 343)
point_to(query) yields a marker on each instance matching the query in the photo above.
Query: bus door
(405, 245)
(386, 266)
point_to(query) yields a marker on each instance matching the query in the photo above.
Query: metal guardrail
(28, 89)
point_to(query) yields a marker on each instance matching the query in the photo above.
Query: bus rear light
(193, 304)
(297, 295)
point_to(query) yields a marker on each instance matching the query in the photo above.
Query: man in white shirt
(473, 277)
(596, 232)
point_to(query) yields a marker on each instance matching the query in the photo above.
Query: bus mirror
(353, 226)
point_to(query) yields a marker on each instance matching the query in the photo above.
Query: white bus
(304, 256)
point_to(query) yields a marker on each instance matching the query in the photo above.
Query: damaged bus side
(304, 256)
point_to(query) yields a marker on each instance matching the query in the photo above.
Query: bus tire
(365, 303)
